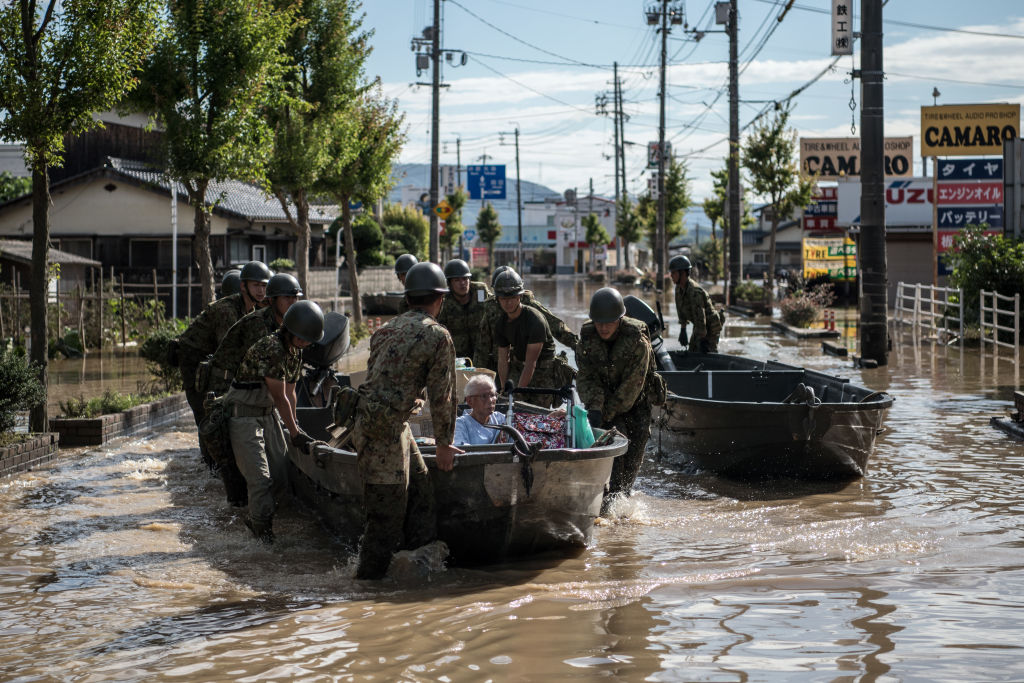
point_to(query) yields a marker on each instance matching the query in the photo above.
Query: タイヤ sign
(968, 129)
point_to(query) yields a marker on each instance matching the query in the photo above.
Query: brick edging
(97, 431)
(39, 450)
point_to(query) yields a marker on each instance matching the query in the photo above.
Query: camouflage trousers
(398, 517)
(195, 402)
(636, 426)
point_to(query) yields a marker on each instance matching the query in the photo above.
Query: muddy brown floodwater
(124, 563)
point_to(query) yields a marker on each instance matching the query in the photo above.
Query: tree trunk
(302, 245)
(38, 283)
(625, 249)
(350, 261)
(770, 280)
(490, 255)
(201, 243)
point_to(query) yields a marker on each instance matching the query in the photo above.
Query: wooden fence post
(100, 305)
(189, 297)
(81, 317)
(124, 328)
(156, 293)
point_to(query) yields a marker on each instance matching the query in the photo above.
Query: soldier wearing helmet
(694, 305)
(412, 352)
(208, 329)
(617, 382)
(231, 283)
(486, 355)
(526, 349)
(463, 307)
(402, 265)
(265, 381)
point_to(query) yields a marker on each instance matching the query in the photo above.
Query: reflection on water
(90, 376)
(129, 558)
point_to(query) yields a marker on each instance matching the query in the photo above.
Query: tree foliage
(770, 161)
(12, 186)
(408, 225)
(61, 62)
(20, 388)
(326, 51)
(488, 228)
(627, 225)
(677, 201)
(595, 234)
(994, 263)
(453, 226)
(215, 71)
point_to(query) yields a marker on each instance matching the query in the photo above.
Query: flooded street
(125, 563)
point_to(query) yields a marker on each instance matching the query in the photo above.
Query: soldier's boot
(261, 529)
(234, 485)
(385, 506)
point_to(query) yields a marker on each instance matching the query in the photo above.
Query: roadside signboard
(842, 27)
(821, 215)
(970, 192)
(469, 235)
(448, 179)
(962, 216)
(835, 158)
(443, 209)
(832, 256)
(968, 129)
(486, 182)
(652, 153)
(908, 202)
(970, 169)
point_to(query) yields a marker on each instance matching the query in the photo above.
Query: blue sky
(540, 64)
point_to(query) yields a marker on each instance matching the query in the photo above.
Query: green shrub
(803, 308)
(155, 351)
(110, 402)
(279, 264)
(749, 291)
(20, 388)
(994, 263)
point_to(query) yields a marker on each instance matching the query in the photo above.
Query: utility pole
(874, 337)
(519, 200)
(617, 122)
(735, 236)
(659, 248)
(435, 129)
(576, 227)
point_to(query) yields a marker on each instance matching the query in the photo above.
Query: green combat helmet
(255, 271)
(404, 262)
(305, 320)
(497, 271)
(231, 283)
(424, 278)
(283, 284)
(678, 263)
(508, 283)
(606, 305)
(456, 268)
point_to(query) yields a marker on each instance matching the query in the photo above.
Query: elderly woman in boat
(482, 399)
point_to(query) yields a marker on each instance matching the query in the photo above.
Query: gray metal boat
(744, 418)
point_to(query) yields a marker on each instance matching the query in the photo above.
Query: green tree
(12, 186)
(215, 71)
(994, 263)
(488, 228)
(677, 201)
(326, 51)
(595, 234)
(716, 208)
(453, 227)
(408, 225)
(628, 227)
(364, 175)
(770, 162)
(60, 62)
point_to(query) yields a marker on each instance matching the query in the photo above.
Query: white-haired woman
(481, 397)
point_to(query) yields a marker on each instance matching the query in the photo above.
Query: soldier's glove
(304, 442)
(595, 418)
(682, 338)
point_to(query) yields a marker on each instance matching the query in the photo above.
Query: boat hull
(484, 512)
(736, 417)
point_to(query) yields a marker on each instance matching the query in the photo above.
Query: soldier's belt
(242, 410)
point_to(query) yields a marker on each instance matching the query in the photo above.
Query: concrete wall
(38, 451)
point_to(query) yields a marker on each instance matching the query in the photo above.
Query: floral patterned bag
(546, 430)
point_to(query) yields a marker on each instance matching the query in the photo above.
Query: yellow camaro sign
(968, 129)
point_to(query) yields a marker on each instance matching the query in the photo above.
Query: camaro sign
(968, 129)
(835, 158)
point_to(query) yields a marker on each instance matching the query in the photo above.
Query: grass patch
(109, 402)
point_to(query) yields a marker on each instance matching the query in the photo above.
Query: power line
(523, 85)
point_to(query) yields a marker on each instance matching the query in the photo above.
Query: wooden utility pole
(435, 132)
(735, 237)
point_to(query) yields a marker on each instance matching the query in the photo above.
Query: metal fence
(929, 308)
(995, 319)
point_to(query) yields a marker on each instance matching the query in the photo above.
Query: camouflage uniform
(200, 340)
(410, 353)
(486, 355)
(257, 437)
(617, 377)
(242, 335)
(463, 320)
(694, 305)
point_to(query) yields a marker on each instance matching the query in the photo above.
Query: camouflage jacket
(463, 320)
(412, 352)
(242, 335)
(486, 353)
(205, 333)
(694, 305)
(270, 357)
(616, 375)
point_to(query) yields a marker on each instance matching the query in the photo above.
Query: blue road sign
(486, 182)
(469, 235)
(971, 169)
